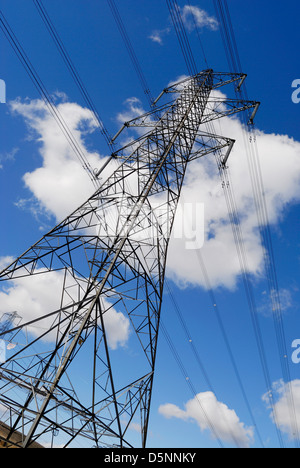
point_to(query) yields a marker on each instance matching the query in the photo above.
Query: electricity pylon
(66, 381)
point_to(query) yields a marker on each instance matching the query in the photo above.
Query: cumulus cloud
(213, 415)
(280, 165)
(285, 413)
(60, 185)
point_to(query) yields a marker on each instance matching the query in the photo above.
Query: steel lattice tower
(63, 378)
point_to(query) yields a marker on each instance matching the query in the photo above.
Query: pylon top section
(207, 79)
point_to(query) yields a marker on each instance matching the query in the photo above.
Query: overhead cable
(258, 189)
(47, 98)
(70, 65)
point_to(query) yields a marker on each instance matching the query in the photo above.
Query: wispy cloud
(194, 16)
(8, 156)
(158, 35)
(283, 297)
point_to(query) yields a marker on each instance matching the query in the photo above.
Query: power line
(186, 49)
(190, 383)
(38, 83)
(241, 252)
(182, 37)
(70, 65)
(131, 51)
(183, 40)
(198, 359)
(148, 93)
(48, 100)
(228, 37)
(190, 62)
(224, 334)
(198, 34)
(234, 62)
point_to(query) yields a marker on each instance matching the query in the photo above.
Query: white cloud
(5, 261)
(268, 301)
(32, 297)
(8, 156)
(286, 411)
(280, 166)
(195, 16)
(133, 109)
(158, 35)
(192, 17)
(60, 185)
(117, 328)
(210, 414)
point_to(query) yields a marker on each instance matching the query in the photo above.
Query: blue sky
(267, 36)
